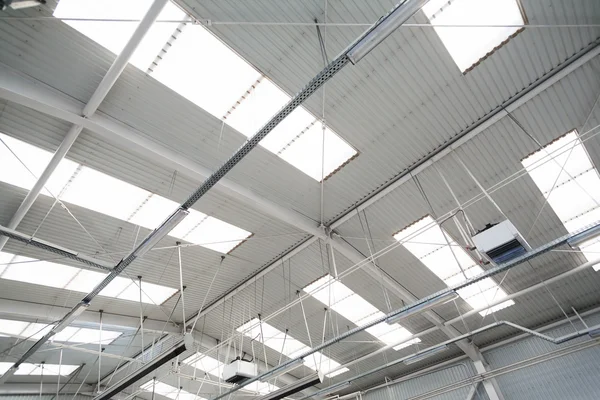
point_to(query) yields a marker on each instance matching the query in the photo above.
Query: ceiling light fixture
(295, 387)
(293, 365)
(159, 233)
(586, 235)
(425, 354)
(187, 343)
(382, 29)
(441, 299)
(76, 312)
(17, 5)
(334, 388)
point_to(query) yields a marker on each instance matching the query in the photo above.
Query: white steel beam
(36, 95)
(47, 388)
(480, 126)
(90, 108)
(44, 313)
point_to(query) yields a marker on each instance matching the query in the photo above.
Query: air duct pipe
(433, 297)
(433, 349)
(365, 43)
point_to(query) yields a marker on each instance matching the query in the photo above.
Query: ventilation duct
(187, 343)
(501, 242)
(239, 370)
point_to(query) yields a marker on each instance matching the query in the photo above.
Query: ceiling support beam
(89, 109)
(535, 88)
(390, 284)
(22, 93)
(36, 95)
(44, 313)
(47, 388)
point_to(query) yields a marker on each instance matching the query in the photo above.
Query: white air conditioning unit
(239, 370)
(500, 242)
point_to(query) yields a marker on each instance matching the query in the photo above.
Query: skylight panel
(264, 101)
(169, 391)
(85, 335)
(115, 35)
(85, 281)
(565, 175)
(274, 339)
(305, 153)
(205, 363)
(204, 70)
(104, 194)
(70, 334)
(151, 293)
(60, 276)
(13, 171)
(36, 369)
(426, 240)
(217, 235)
(153, 211)
(468, 45)
(39, 273)
(350, 305)
(53, 369)
(107, 195)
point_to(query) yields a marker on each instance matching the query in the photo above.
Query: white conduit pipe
(99, 94)
(520, 293)
(90, 108)
(486, 274)
(558, 340)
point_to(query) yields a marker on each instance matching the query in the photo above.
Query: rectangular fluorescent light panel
(468, 45)
(216, 79)
(428, 242)
(274, 339)
(564, 173)
(214, 367)
(99, 192)
(114, 35)
(70, 334)
(36, 369)
(341, 299)
(45, 273)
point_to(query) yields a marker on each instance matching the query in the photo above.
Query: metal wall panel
(574, 376)
(428, 382)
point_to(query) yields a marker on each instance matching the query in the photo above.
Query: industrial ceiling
(140, 104)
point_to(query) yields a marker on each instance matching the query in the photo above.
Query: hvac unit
(239, 370)
(500, 242)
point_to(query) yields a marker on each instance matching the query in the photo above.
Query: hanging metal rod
(486, 274)
(210, 22)
(99, 94)
(54, 248)
(371, 38)
(428, 350)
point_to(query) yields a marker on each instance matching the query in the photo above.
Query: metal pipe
(54, 248)
(90, 108)
(558, 340)
(529, 289)
(99, 94)
(37, 188)
(583, 56)
(486, 274)
(34, 96)
(507, 369)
